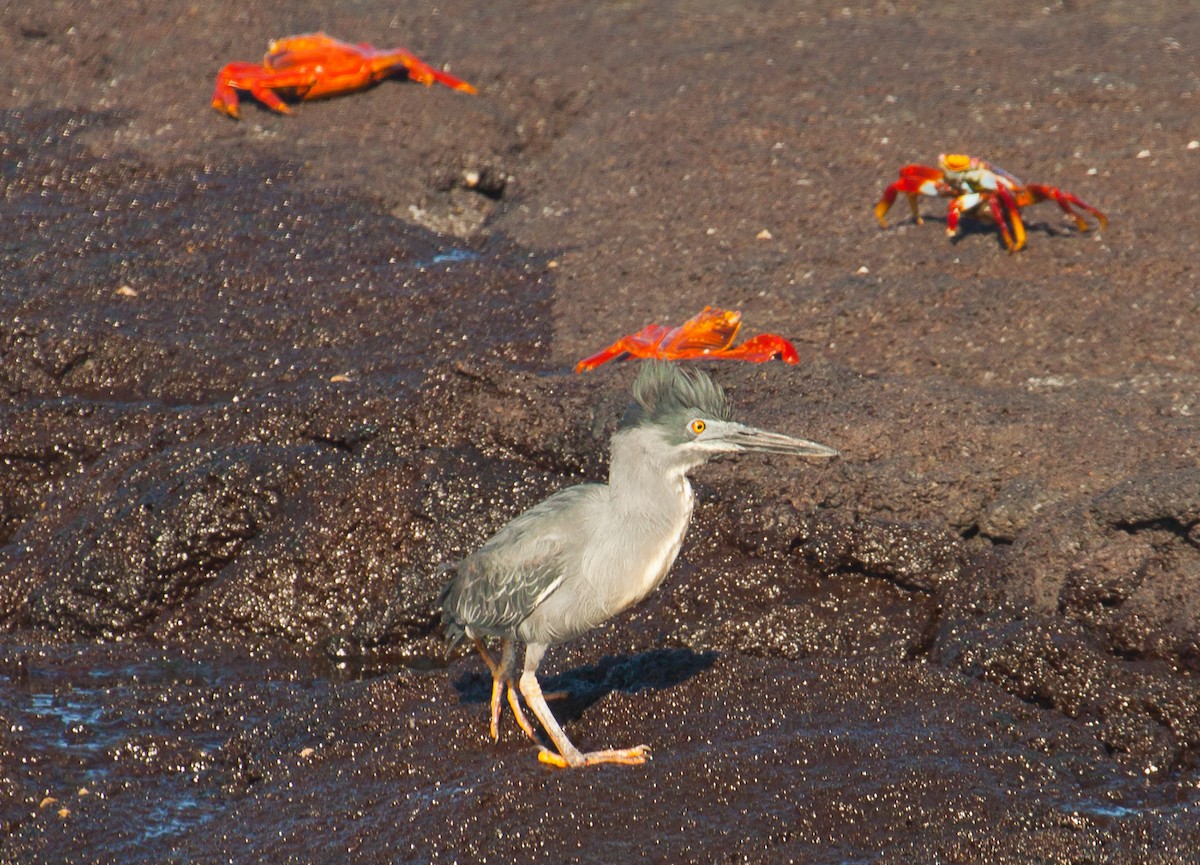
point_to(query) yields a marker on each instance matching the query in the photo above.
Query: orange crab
(313, 66)
(982, 190)
(708, 334)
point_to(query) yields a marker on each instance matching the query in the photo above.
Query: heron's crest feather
(663, 390)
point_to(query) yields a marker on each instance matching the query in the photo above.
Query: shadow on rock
(584, 686)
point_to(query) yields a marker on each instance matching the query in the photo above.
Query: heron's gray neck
(642, 477)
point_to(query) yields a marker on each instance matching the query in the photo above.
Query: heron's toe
(626, 757)
(551, 759)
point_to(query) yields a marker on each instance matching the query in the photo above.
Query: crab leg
(1013, 208)
(996, 205)
(1039, 192)
(418, 70)
(958, 207)
(244, 76)
(914, 180)
(759, 349)
(641, 344)
(253, 78)
(889, 198)
(225, 98)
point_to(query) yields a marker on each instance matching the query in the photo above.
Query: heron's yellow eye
(698, 426)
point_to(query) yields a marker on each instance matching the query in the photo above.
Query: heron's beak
(746, 438)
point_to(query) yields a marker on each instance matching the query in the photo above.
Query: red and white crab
(982, 190)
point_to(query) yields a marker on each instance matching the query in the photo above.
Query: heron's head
(687, 415)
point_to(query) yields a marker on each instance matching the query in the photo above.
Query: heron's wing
(497, 587)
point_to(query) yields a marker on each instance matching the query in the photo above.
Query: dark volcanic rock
(1140, 711)
(1125, 563)
(259, 379)
(174, 522)
(1106, 624)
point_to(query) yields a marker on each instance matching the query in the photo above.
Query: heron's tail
(454, 630)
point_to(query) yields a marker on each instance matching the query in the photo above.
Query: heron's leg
(568, 755)
(508, 666)
(497, 693)
(502, 681)
(514, 700)
(492, 666)
(499, 680)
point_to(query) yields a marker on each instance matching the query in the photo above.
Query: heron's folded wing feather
(520, 566)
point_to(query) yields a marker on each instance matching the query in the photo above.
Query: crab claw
(914, 180)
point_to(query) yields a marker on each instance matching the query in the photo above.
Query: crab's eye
(698, 426)
(956, 161)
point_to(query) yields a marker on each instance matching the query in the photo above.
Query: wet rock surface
(258, 379)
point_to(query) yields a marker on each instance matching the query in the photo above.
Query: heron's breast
(651, 551)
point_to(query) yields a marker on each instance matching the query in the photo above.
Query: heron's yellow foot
(627, 757)
(550, 758)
